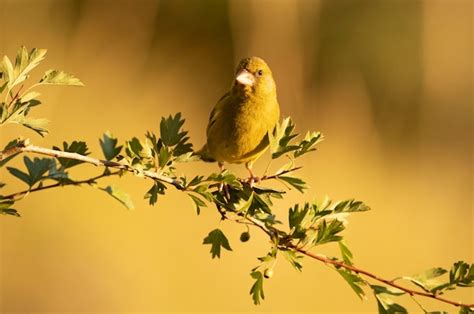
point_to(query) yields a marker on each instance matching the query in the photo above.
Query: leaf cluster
(17, 101)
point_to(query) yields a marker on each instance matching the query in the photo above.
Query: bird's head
(253, 76)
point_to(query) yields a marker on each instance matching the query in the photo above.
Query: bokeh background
(388, 82)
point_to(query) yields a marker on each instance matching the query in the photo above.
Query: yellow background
(389, 83)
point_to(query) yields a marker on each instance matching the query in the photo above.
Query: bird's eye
(259, 72)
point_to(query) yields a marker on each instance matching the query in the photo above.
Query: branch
(375, 277)
(276, 175)
(356, 270)
(60, 184)
(25, 147)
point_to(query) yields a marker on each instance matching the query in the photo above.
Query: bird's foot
(252, 180)
(224, 188)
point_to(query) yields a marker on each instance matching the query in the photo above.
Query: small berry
(245, 236)
(268, 273)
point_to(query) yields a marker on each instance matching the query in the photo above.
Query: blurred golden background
(388, 82)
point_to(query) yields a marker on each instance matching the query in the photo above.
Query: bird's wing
(217, 110)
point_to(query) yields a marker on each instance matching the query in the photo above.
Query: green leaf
(384, 299)
(170, 132)
(203, 190)
(36, 169)
(465, 310)
(217, 239)
(37, 125)
(462, 274)
(429, 279)
(21, 61)
(29, 96)
(297, 183)
(108, 143)
(350, 206)
(55, 77)
(5, 207)
(354, 281)
(345, 252)
(134, 148)
(187, 157)
(244, 206)
(119, 195)
(281, 137)
(2, 88)
(152, 194)
(172, 135)
(7, 70)
(387, 290)
(257, 288)
(24, 67)
(10, 144)
(293, 258)
(225, 177)
(75, 147)
(328, 232)
(19, 174)
(308, 143)
(163, 156)
(299, 219)
(198, 202)
(195, 181)
(59, 175)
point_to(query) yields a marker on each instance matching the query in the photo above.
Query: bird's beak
(245, 77)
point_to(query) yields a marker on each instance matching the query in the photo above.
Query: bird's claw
(252, 180)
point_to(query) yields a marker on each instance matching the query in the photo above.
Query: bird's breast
(240, 134)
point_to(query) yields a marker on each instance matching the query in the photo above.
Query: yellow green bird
(240, 121)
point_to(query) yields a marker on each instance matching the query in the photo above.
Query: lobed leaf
(429, 279)
(297, 183)
(36, 167)
(281, 137)
(293, 258)
(197, 202)
(77, 147)
(308, 143)
(355, 281)
(217, 239)
(328, 232)
(119, 195)
(6, 209)
(385, 303)
(35, 124)
(350, 206)
(158, 188)
(257, 288)
(345, 252)
(108, 143)
(55, 77)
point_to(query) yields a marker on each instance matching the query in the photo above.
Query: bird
(239, 124)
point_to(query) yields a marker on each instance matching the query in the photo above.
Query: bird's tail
(204, 154)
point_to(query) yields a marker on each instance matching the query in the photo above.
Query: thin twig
(15, 97)
(60, 184)
(276, 175)
(356, 270)
(273, 176)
